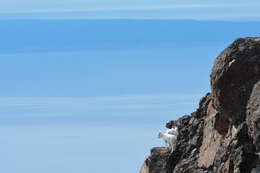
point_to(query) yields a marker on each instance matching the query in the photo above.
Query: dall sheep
(169, 139)
(173, 131)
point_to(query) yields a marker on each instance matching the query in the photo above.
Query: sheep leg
(172, 147)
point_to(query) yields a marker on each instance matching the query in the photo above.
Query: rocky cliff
(223, 134)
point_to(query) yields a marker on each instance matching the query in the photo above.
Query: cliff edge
(223, 134)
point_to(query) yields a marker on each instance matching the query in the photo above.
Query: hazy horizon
(152, 9)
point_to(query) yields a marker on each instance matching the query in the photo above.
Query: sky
(91, 95)
(87, 84)
(90, 134)
(137, 9)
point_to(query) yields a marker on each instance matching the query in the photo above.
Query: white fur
(173, 131)
(169, 139)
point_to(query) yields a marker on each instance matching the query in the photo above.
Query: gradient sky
(90, 95)
(75, 94)
(174, 9)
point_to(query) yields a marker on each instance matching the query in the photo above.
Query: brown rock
(145, 168)
(227, 167)
(157, 162)
(253, 115)
(233, 76)
(223, 135)
(211, 140)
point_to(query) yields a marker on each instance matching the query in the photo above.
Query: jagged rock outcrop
(185, 156)
(223, 135)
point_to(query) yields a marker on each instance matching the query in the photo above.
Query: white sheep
(173, 131)
(169, 139)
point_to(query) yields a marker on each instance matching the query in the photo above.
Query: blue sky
(77, 93)
(48, 134)
(107, 73)
(85, 58)
(106, 110)
(167, 9)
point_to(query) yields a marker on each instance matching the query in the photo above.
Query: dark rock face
(233, 76)
(223, 135)
(253, 115)
(158, 162)
(185, 156)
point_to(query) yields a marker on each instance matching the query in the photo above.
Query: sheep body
(173, 131)
(169, 139)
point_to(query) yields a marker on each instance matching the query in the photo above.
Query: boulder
(233, 76)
